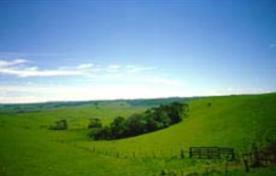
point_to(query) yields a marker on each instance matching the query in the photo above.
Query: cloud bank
(87, 81)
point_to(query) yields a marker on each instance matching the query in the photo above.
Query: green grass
(27, 147)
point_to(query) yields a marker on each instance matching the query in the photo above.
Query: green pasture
(28, 147)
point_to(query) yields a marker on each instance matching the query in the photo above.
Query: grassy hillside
(230, 121)
(27, 147)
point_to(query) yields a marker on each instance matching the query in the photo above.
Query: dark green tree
(118, 127)
(100, 133)
(136, 124)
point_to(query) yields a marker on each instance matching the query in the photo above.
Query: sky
(88, 50)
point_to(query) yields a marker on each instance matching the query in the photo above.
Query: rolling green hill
(27, 147)
(35, 107)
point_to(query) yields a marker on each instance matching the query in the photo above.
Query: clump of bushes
(151, 120)
(59, 125)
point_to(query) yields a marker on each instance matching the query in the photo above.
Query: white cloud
(4, 63)
(98, 82)
(34, 72)
(114, 68)
(20, 69)
(42, 93)
(135, 68)
(85, 66)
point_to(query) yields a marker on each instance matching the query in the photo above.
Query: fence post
(190, 153)
(181, 172)
(182, 155)
(246, 165)
(226, 169)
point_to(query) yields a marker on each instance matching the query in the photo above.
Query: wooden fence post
(246, 165)
(226, 168)
(182, 155)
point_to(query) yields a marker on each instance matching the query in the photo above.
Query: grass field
(27, 147)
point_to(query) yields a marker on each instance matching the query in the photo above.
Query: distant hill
(30, 107)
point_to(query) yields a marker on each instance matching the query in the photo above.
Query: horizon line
(126, 99)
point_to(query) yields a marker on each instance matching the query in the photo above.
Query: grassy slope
(28, 148)
(230, 121)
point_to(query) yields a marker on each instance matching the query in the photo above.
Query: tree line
(151, 120)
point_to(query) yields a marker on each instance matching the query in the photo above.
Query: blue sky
(87, 50)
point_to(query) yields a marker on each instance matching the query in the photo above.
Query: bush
(59, 125)
(100, 133)
(95, 123)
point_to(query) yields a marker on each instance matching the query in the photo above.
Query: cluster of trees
(151, 120)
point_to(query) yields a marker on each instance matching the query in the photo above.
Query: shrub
(100, 133)
(59, 125)
(95, 123)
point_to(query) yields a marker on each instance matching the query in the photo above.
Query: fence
(212, 153)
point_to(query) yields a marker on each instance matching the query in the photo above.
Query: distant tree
(161, 115)
(95, 123)
(100, 133)
(153, 125)
(59, 125)
(174, 111)
(118, 127)
(136, 124)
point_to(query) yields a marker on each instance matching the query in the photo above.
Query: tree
(175, 111)
(95, 123)
(118, 127)
(100, 133)
(152, 125)
(136, 124)
(161, 115)
(59, 125)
